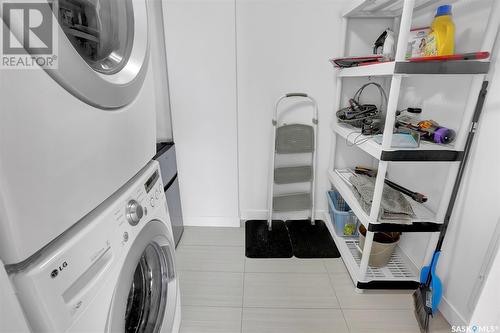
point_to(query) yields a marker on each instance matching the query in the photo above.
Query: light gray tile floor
(224, 292)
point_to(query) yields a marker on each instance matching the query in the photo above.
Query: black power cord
(358, 114)
(367, 117)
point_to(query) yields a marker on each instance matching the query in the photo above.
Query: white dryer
(112, 272)
(71, 136)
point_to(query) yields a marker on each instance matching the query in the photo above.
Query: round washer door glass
(148, 293)
(100, 30)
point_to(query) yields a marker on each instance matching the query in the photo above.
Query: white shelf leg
(395, 27)
(392, 105)
(359, 291)
(446, 195)
(338, 89)
(404, 29)
(377, 199)
(377, 193)
(367, 249)
(431, 246)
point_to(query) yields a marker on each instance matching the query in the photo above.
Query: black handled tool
(418, 197)
(428, 296)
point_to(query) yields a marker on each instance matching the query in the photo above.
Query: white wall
(159, 64)
(200, 37)
(487, 311)
(282, 46)
(477, 209)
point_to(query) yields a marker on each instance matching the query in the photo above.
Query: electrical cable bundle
(357, 114)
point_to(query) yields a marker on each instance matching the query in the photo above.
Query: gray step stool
(293, 139)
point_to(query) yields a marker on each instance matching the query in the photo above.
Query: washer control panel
(147, 197)
(156, 195)
(154, 190)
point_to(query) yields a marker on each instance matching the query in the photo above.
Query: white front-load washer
(71, 136)
(114, 271)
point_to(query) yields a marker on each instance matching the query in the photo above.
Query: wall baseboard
(212, 221)
(253, 215)
(262, 215)
(451, 314)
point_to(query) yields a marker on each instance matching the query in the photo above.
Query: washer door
(146, 294)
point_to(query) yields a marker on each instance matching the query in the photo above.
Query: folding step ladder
(291, 139)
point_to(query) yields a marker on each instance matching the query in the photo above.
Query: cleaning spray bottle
(441, 40)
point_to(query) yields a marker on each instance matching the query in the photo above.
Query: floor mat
(262, 243)
(311, 241)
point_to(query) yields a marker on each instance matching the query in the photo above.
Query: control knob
(134, 212)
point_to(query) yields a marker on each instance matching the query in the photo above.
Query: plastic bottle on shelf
(388, 48)
(441, 39)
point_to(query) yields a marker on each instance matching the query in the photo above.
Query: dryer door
(102, 50)
(146, 294)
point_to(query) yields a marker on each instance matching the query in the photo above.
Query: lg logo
(56, 271)
(30, 28)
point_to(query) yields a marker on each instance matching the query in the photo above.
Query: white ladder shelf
(401, 272)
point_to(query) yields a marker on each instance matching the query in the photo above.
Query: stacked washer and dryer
(85, 234)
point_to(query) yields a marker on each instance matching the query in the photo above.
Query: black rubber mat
(262, 243)
(311, 241)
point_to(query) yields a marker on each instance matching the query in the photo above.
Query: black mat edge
(314, 244)
(260, 243)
